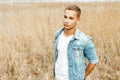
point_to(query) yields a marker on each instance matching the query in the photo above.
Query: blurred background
(27, 32)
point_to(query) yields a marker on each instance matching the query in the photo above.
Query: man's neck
(69, 32)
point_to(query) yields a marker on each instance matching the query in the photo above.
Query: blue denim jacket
(79, 48)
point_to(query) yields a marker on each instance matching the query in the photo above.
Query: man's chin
(67, 28)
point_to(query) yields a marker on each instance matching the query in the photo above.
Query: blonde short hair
(74, 8)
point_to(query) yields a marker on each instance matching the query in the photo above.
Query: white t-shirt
(61, 66)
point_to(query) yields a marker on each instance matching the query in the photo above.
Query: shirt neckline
(66, 36)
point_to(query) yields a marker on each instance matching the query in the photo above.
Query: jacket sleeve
(90, 53)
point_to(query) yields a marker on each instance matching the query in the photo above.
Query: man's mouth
(66, 25)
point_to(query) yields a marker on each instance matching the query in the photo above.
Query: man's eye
(65, 16)
(71, 18)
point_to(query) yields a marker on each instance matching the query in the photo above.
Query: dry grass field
(27, 32)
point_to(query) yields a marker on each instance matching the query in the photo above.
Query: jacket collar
(76, 35)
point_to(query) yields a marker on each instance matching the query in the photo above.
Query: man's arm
(89, 68)
(92, 57)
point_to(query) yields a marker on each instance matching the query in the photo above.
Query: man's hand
(89, 68)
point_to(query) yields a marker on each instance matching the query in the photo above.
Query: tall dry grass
(27, 32)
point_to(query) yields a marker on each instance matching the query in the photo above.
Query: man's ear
(78, 20)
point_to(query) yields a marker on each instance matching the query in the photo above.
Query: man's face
(70, 19)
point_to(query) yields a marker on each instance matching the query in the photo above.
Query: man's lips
(66, 25)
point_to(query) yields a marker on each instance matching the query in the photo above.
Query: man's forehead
(71, 13)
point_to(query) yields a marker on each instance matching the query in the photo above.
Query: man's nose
(66, 20)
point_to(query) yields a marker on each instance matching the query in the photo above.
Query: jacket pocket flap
(78, 47)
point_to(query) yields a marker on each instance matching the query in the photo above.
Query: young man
(71, 47)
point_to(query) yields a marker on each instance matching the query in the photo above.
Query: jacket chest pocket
(78, 49)
(77, 53)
